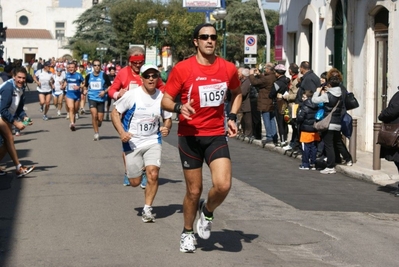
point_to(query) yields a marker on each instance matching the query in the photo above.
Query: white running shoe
(67, 116)
(204, 224)
(187, 243)
(76, 116)
(147, 215)
(59, 113)
(96, 137)
(24, 170)
(328, 171)
(287, 147)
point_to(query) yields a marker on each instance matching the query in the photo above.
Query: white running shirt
(44, 79)
(142, 116)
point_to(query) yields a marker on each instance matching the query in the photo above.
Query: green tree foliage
(244, 18)
(117, 23)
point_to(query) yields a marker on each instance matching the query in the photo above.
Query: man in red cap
(129, 77)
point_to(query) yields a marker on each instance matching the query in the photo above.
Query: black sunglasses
(96, 65)
(147, 76)
(205, 37)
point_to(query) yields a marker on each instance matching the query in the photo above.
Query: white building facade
(38, 28)
(357, 37)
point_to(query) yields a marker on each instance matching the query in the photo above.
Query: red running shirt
(207, 86)
(126, 79)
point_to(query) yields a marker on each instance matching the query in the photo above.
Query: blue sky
(70, 3)
(274, 6)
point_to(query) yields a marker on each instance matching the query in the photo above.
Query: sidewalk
(362, 169)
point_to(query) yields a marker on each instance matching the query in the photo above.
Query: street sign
(250, 44)
(249, 60)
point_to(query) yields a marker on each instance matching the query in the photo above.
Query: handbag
(346, 125)
(351, 101)
(388, 136)
(322, 125)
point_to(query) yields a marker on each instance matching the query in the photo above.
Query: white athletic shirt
(142, 116)
(44, 79)
(58, 81)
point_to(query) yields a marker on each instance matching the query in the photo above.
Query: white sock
(18, 167)
(146, 207)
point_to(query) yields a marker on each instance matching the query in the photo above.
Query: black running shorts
(195, 149)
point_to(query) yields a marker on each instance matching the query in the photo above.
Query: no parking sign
(250, 44)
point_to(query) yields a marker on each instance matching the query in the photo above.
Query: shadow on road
(226, 240)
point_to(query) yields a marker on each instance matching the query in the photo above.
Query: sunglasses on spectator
(96, 65)
(205, 37)
(147, 76)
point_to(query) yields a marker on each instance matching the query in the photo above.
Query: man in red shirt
(129, 77)
(203, 81)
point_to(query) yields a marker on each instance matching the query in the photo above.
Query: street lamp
(219, 14)
(154, 31)
(101, 50)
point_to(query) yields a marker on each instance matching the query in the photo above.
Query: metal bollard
(376, 147)
(353, 141)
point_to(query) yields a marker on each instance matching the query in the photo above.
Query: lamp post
(155, 31)
(101, 50)
(219, 14)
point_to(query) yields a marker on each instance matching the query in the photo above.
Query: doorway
(381, 58)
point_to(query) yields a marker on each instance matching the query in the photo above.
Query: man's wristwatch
(177, 108)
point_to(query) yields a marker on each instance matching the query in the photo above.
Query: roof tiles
(29, 34)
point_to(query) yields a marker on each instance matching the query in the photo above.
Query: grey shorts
(141, 157)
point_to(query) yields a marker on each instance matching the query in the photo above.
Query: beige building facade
(38, 28)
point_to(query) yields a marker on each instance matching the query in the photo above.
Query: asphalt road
(279, 176)
(73, 210)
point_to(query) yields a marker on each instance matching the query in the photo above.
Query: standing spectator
(309, 136)
(264, 83)
(246, 119)
(40, 64)
(391, 115)
(309, 80)
(292, 92)
(255, 114)
(280, 88)
(343, 150)
(203, 80)
(331, 97)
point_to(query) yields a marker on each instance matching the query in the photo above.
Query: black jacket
(306, 116)
(390, 115)
(309, 81)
